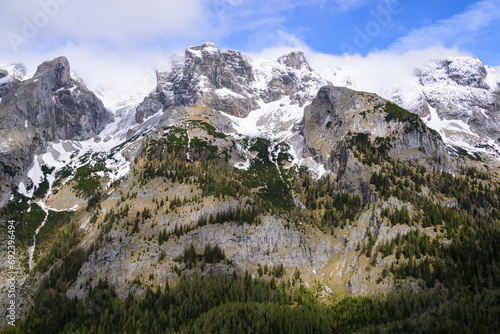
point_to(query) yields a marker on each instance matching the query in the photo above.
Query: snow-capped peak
(15, 71)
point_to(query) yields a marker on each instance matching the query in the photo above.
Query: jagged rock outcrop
(294, 78)
(270, 243)
(50, 106)
(464, 71)
(205, 70)
(338, 114)
(57, 104)
(229, 82)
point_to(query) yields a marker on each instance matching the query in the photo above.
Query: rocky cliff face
(231, 82)
(54, 102)
(339, 117)
(51, 106)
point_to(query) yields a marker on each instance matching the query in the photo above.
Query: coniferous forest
(459, 280)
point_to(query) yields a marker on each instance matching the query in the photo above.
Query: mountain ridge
(268, 161)
(49, 107)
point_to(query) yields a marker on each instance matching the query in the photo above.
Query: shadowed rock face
(50, 106)
(469, 72)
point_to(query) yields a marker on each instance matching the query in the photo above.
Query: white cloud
(112, 22)
(116, 75)
(454, 31)
(117, 44)
(376, 72)
(114, 43)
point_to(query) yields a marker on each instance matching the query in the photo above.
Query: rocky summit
(228, 81)
(51, 106)
(253, 186)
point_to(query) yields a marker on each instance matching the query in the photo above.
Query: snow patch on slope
(273, 120)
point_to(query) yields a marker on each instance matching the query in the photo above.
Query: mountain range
(282, 172)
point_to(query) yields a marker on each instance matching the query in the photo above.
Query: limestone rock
(229, 82)
(337, 114)
(50, 106)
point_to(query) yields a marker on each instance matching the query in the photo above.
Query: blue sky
(106, 38)
(357, 26)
